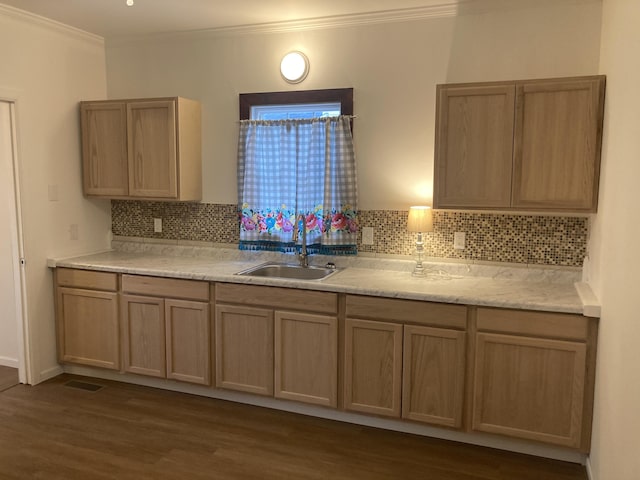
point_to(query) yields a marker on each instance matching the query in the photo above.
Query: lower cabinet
(406, 359)
(87, 318)
(266, 345)
(306, 358)
(515, 373)
(434, 375)
(534, 376)
(372, 367)
(244, 349)
(166, 337)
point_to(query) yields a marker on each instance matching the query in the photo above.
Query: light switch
(73, 232)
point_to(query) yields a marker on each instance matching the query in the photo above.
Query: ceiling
(113, 18)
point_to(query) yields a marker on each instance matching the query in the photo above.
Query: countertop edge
(590, 304)
(587, 306)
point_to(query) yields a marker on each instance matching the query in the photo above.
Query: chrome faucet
(302, 256)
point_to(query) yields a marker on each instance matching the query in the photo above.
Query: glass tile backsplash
(492, 237)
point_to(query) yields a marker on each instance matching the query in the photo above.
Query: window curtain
(289, 168)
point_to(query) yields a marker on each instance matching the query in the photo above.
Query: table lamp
(420, 221)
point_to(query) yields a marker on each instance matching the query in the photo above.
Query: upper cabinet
(524, 145)
(142, 149)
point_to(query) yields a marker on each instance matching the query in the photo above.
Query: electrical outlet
(157, 225)
(367, 235)
(459, 240)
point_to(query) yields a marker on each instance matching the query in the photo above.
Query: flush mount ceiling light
(294, 67)
(129, 3)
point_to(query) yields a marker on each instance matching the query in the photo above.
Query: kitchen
(52, 70)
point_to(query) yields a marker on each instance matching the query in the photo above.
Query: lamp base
(419, 271)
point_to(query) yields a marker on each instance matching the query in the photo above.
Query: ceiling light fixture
(129, 3)
(294, 67)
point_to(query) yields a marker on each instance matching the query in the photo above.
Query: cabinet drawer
(276, 297)
(69, 277)
(166, 287)
(413, 311)
(540, 324)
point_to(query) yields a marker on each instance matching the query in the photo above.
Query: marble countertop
(543, 289)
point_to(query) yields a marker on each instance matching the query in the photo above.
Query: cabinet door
(188, 347)
(104, 148)
(244, 349)
(529, 388)
(143, 335)
(306, 358)
(474, 146)
(88, 327)
(433, 375)
(373, 367)
(557, 144)
(152, 149)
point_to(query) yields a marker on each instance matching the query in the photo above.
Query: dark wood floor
(8, 377)
(52, 431)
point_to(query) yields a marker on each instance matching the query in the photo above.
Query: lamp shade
(420, 219)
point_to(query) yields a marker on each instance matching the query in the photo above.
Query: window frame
(342, 95)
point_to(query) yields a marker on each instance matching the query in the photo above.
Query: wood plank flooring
(8, 377)
(52, 431)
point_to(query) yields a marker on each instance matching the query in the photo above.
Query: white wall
(615, 261)
(48, 69)
(392, 67)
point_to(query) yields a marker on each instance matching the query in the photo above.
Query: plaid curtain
(292, 167)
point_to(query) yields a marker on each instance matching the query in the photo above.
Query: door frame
(17, 246)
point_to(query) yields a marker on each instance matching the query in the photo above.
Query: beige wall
(614, 260)
(47, 70)
(392, 67)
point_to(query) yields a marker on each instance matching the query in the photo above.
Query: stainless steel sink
(285, 270)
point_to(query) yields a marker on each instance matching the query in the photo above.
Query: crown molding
(37, 20)
(320, 23)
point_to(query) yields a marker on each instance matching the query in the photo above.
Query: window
(296, 110)
(297, 173)
(341, 96)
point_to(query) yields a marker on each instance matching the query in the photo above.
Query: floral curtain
(289, 168)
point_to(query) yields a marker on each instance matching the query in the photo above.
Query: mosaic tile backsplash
(492, 237)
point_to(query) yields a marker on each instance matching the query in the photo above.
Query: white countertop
(544, 289)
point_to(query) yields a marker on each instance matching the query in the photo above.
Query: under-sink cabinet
(87, 318)
(165, 328)
(142, 149)
(406, 359)
(277, 341)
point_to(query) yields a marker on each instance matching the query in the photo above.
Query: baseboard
(9, 362)
(587, 464)
(479, 439)
(48, 374)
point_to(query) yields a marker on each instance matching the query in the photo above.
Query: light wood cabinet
(166, 337)
(524, 145)
(534, 376)
(373, 367)
(434, 375)
(188, 346)
(405, 358)
(87, 318)
(142, 149)
(278, 342)
(244, 349)
(306, 358)
(143, 336)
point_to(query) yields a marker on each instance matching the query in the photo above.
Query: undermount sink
(285, 270)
